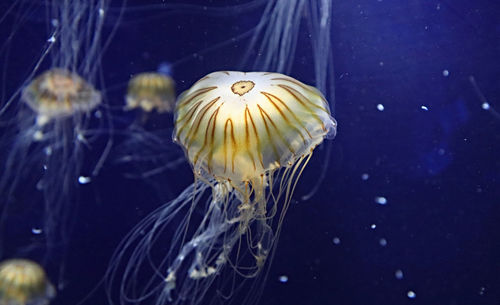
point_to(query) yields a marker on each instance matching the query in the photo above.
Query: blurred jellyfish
(57, 94)
(24, 282)
(151, 92)
(47, 126)
(144, 153)
(248, 137)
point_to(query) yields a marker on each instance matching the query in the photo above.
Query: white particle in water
(411, 294)
(83, 180)
(424, 108)
(446, 73)
(380, 107)
(283, 278)
(373, 226)
(336, 240)
(36, 231)
(482, 290)
(365, 176)
(38, 135)
(485, 106)
(381, 200)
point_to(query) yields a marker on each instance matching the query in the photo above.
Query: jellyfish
(248, 137)
(151, 92)
(49, 124)
(24, 282)
(143, 152)
(59, 93)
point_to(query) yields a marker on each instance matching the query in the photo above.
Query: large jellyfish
(248, 137)
(48, 125)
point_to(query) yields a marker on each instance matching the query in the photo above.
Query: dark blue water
(408, 210)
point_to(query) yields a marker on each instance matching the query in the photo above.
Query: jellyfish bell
(238, 126)
(248, 137)
(151, 92)
(24, 282)
(59, 93)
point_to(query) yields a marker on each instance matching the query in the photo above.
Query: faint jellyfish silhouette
(24, 282)
(59, 93)
(248, 137)
(150, 95)
(151, 92)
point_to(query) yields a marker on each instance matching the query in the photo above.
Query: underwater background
(407, 210)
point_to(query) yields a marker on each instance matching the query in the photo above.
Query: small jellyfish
(59, 93)
(150, 92)
(248, 137)
(144, 146)
(24, 282)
